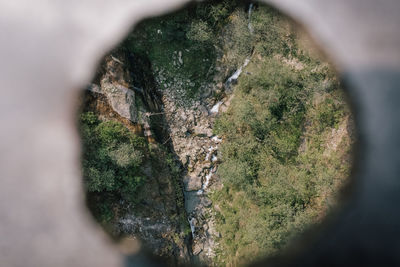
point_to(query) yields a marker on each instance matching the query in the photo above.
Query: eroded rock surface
(116, 84)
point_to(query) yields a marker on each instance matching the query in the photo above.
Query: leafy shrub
(125, 155)
(112, 161)
(199, 31)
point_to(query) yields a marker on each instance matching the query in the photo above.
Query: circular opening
(215, 135)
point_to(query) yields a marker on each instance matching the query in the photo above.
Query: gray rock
(183, 116)
(203, 110)
(192, 183)
(201, 130)
(197, 248)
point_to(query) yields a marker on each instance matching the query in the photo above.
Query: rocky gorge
(172, 84)
(189, 133)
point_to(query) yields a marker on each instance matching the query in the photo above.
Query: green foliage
(235, 42)
(273, 35)
(112, 160)
(124, 156)
(219, 11)
(99, 180)
(200, 31)
(329, 113)
(277, 179)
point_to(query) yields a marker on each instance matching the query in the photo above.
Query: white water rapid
(239, 71)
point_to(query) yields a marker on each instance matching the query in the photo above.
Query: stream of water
(239, 71)
(194, 199)
(250, 26)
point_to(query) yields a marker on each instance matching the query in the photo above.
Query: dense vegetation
(278, 171)
(112, 161)
(114, 164)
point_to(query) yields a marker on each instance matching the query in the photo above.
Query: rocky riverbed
(197, 148)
